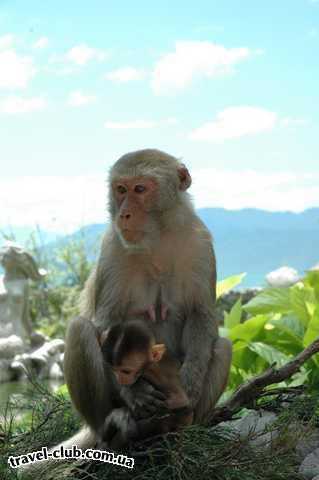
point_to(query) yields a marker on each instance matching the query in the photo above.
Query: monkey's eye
(139, 189)
(120, 189)
(126, 371)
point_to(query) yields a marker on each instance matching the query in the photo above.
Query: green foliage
(281, 323)
(228, 284)
(198, 452)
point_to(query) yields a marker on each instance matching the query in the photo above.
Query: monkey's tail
(83, 439)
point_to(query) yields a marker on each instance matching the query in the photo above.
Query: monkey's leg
(90, 384)
(216, 378)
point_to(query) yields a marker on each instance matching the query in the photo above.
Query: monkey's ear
(157, 351)
(103, 336)
(185, 178)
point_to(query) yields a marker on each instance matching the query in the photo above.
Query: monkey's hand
(143, 399)
(118, 429)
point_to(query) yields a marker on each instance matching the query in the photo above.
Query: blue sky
(232, 87)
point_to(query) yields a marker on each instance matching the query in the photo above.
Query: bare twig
(253, 388)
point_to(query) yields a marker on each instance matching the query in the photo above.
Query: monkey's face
(135, 199)
(131, 368)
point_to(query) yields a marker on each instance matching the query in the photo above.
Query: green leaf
(243, 358)
(291, 324)
(63, 391)
(311, 307)
(298, 299)
(223, 332)
(229, 283)
(312, 332)
(250, 330)
(299, 378)
(234, 316)
(282, 338)
(312, 280)
(268, 353)
(270, 300)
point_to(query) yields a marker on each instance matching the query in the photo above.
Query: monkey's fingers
(159, 395)
(150, 404)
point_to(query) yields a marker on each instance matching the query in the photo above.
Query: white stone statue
(22, 350)
(19, 267)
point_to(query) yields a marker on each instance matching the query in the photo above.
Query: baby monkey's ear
(157, 351)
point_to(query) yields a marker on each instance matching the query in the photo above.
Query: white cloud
(82, 54)
(235, 122)
(56, 203)
(78, 99)
(274, 191)
(293, 122)
(6, 41)
(190, 60)
(16, 105)
(139, 124)
(41, 43)
(15, 70)
(125, 74)
(63, 204)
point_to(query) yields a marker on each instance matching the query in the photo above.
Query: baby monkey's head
(129, 348)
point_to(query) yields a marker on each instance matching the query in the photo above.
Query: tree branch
(250, 390)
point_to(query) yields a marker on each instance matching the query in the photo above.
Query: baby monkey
(131, 351)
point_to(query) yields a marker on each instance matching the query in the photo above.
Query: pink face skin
(128, 372)
(134, 363)
(134, 197)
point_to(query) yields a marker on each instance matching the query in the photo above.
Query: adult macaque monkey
(156, 262)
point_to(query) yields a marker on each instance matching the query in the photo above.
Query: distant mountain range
(248, 240)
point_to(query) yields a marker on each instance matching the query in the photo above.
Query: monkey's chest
(151, 291)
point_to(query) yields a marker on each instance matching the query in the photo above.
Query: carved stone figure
(22, 349)
(19, 267)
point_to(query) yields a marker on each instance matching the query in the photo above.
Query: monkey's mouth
(132, 236)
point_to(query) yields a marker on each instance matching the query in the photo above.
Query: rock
(40, 361)
(37, 339)
(6, 374)
(11, 346)
(307, 445)
(310, 466)
(254, 427)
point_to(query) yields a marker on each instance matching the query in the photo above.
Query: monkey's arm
(197, 341)
(90, 384)
(201, 328)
